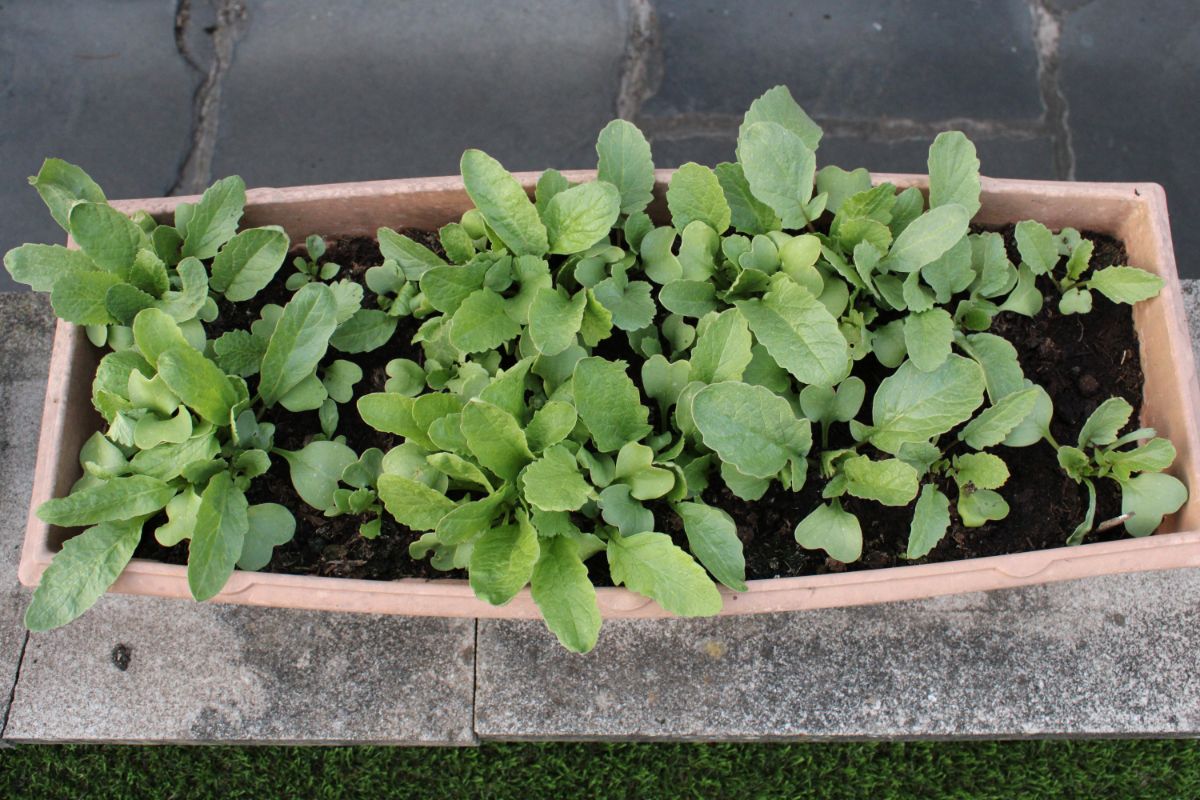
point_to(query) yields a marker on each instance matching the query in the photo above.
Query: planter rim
(1136, 210)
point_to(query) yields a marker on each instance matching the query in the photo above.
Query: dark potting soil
(1081, 360)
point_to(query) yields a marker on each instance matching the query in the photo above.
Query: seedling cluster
(585, 373)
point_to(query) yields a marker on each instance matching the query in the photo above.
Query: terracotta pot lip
(1138, 206)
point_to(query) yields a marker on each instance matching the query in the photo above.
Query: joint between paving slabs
(230, 16)
(12, 692)
(1047, 31)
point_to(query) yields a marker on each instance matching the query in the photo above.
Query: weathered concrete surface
(99, 84)
(26, 328)
(1114, 656)
(226, 674)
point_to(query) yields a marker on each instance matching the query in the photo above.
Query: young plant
(1134, 460)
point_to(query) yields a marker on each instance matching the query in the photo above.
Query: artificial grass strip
(1124, 769)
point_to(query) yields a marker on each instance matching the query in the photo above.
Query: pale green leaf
(624, 161)
(780, 169)
(316, 469)
(553, 482)
(106, 236)
(1126, 284)
(927, 237)
(221, 525)
(609, 404)
(565, 595)
(915, 406)
(502, 561)
(198, 383)
(412, 503)
(996, 422)
(695, 194)
(581, 216)
(890, 481)
(777, 105)
(41, 266)
(954, 172)
(651, 565)
(81, 572)
(799, 333)
(750, 427)
(928, 336)
(555, 320)
(214, 219)
(712, 537)
(722, 349)
(495, 439)
(62, 185)
(930, 522)
(268, 526)
(828, 527)
(299, 341)
(1037, 246)
(1149, 497)
(504, 204)
(248, 262)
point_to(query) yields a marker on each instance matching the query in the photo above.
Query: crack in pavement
(12, 693)
(641, 66)
(1047, 30)
(195, 173)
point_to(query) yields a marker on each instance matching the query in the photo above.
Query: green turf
(968, 770)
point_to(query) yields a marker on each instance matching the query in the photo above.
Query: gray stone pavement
(155, 96)
(1112, 656)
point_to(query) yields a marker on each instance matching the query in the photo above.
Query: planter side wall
(1134, 213)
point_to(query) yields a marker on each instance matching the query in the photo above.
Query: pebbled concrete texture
(229, 674)
(99, 84)
(26, 327)
(1113, 656)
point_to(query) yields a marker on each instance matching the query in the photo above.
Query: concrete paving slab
(1134, 117)
(370, 89)
(1114, 656)
(923, 60)
(152, 671)
(99, 84)
(26, 330)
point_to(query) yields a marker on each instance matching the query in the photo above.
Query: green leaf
(1089, 520)
(1037, 246)
(413, 259)
(221, 525)
(722, 349)
(841, 185)
(981, 506)
(565, 595)
(369, 329)
(780, 169)
(799, 333)
(316, 468)
(198, 382)
(1036, 426)
(1149, 497)
(1001, 368)
(124, 301)
(751, 428)
(930, 522)
(502, 561)
(651, 565)
(581, 216)
(635, 468)
(62, 185)
(551, 424)
(214, 220)
(247, 263)
(115, 499)
(238, 352)
(890, 481)
(549, 183)
(412, 503)
(695, 194)
(268, 526)
(480, 323)
(41, 266)
(833, 530)
(1075, 301)
(624, 161)
(609, 403)
(981, 470)
(689, 298)
(554, 320)
(1105, 422)
(495, 439)
(747, 213)
(81, 572)
(928, 237)
(954, 172)
(928, 336)
(83, 298)
(1126, 284)
(393, 413)
(619, 509)
(992, 426)
(298, 342)
(457, 243)
(915, 406)
(553, 482)
(777, 105)
(504, 204)
(712, 536)
(1153, 456)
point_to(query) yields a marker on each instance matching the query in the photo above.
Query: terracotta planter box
(1136, 213)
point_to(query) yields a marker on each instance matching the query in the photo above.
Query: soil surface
(1081, 360)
